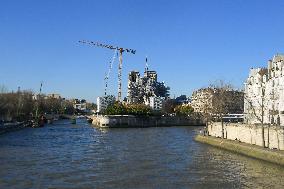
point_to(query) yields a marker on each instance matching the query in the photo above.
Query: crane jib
(121, 50)
(108, 46)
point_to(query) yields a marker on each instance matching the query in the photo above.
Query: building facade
(53, 95)
(207, 100)
(202, 100)
(146, 89)
(264, 93)
(80, 105)
(103, 102)
(156, 103)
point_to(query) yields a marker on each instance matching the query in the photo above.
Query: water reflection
(80, 156)
(102, 130)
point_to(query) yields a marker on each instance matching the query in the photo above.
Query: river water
(81, 156)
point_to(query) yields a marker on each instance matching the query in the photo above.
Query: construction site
(144, 89)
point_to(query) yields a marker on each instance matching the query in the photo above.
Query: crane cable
(109, 69)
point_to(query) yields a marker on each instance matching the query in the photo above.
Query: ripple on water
(80, 156)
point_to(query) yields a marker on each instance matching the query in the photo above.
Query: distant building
(80, 105)
(264, 93)
(38, 96)
(141, 89)
(134, 92)
(43, 96)
(156, 103)
(101, 104)
(104, 102)
(201, 100)
(56, 96)
(204, 100)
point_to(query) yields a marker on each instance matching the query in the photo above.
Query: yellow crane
(121, 50)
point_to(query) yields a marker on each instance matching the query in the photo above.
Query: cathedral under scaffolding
(142, 89)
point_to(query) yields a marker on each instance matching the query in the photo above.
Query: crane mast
(119, 76)
(121, 50)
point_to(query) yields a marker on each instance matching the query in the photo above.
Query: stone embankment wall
(273, 156)
(251, 134)
(147, 121)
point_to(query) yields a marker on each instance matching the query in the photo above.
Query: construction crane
(121, 50)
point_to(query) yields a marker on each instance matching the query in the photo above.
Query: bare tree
(222, 100)
(168, 106)
(207, 115)
(216, 101)
(260, 103)
(3, 89)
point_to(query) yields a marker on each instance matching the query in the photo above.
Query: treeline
(169, 107)
(127, 109)
(24, 105)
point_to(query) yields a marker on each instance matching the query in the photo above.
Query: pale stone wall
(273, 156)
(251, 134)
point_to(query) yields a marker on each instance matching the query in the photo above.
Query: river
(63, 155)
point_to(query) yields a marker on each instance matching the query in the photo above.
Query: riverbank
(254, 151)
(15, 126)
(9, 127)
(130, 121)
(273, 136)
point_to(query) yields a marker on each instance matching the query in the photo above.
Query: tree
(169, 106)
(201, 100)
(184, 110)
(260, 102)
(116, 109)
(67, 107)
(109, 99)
(3, 89)
(130, 109)
(162, 90)
(138, 109)
(25, 105)
(91, 106)
(22, 106)
(181, 99)
(222, 100)
(207, 115)
(16, 106)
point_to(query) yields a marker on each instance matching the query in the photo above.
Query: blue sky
(189, 43)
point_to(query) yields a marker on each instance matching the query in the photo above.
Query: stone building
(201, 100)
(80, 105)
(103, 102)
(134, 93)
(264, 93)
(156, 103)
(205, 100)
(54, 95)
(146, 89)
